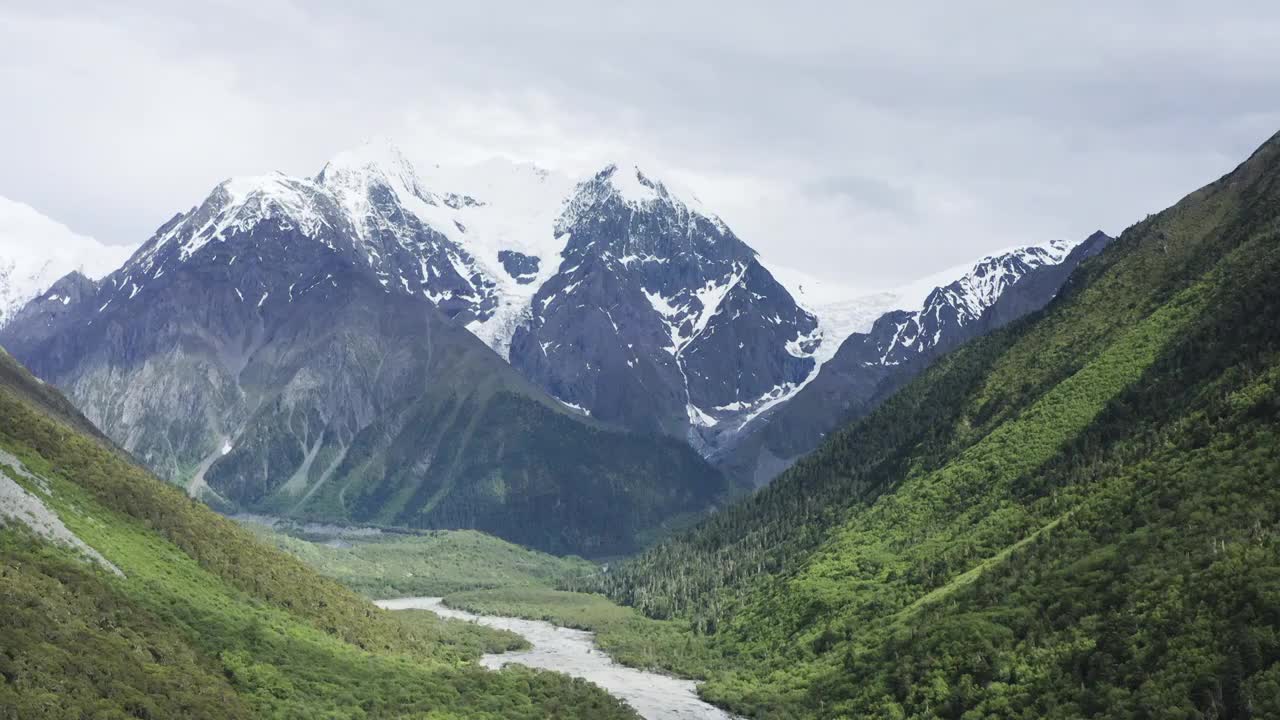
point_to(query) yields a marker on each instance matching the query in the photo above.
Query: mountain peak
(360, 179)
(35, 251)
(374, 154)
(373, 161)
(631, 183)
(635, 188)
(274, 185)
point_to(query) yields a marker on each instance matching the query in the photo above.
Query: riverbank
(574, 652)
(667, 646)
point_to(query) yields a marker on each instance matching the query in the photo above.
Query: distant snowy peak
(36, 251)
(983, 284)
(909, 321)
(627, 183)
(367, 207)
(237, 206)
(659, 318)
(373, 162)
(376, 182)
(970, 289)
(965, 299)
(477, 250)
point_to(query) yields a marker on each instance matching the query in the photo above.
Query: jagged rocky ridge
(622, 298)
(869, 367)
(660, 318)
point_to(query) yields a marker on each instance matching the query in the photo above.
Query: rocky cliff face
(659, 318)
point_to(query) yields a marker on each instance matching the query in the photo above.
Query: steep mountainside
(659, 318)
(1071, 517)
(123, 598)
(271, 353)
(622, 296)
(871, 366)
(624, 299)
(35, 251)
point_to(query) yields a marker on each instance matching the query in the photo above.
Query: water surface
(574, 652)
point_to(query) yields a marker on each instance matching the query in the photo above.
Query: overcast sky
(855, 141)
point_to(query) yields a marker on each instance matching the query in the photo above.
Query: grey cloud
(868, 192)
(855, 138)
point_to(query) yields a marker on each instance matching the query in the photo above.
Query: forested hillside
(122, 597)
(1073, 517)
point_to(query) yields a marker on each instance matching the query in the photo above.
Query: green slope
(436, 563)
(1073, 517)
(206, 621)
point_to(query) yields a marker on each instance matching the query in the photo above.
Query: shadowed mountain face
(624, 298)
(871, 366)
(264, 351)
(660, 318)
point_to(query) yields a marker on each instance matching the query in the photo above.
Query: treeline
(207, 622)
(1075, 517)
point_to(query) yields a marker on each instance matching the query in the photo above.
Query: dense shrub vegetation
(1073, 517)
(208, 622)
(627, 636)
(435, 563)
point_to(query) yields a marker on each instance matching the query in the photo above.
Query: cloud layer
(857, 142)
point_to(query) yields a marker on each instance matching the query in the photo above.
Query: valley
(989, 537)
(652, 665)
(199, 619)
(383, 440)
(574, 652)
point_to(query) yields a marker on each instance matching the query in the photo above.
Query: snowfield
(36, 251)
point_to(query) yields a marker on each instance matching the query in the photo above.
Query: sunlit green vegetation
(209, 622)
(432, 564)
(626, 635)
(488, 576)
(1073, 517)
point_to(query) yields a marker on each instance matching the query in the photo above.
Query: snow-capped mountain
(36, 251)
(298, 346)
(659, 317)
(962, 302)
(622, 296)
(872, 363)
(479, 261)
(366, 207)
(619, 295)
(927, 313)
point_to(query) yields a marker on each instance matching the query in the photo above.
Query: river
(574, 652)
